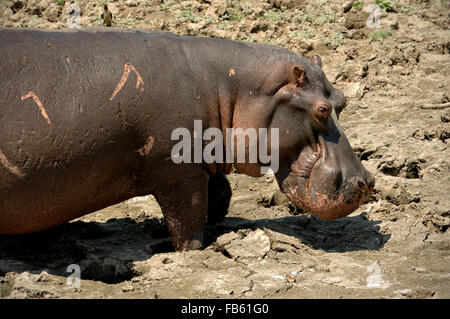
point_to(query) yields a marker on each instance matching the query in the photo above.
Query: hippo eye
(322, 111)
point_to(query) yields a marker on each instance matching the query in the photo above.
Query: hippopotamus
(86, 121)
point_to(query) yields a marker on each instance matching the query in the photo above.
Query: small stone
(291, 278)
(217, 8)
(43, 277)
(404, 292)
(419, 269)
(275, 3)
(281, 277)
(127, 288)
(347, 6)
(15, 17)
(351, 89)
(394, 25)
(52, 12)
(306, 45)
(225, 239)
(131, 3)
(194, 28)
(332, 280)
(254, 246)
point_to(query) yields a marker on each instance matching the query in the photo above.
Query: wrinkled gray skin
(77, 134)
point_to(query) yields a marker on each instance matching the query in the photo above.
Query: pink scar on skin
(39, 104)
(144, 150)
(126, 72)
(13, 169)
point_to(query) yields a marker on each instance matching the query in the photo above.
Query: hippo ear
(299, 75)
(317, 60)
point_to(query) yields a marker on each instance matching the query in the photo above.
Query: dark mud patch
(104, 251)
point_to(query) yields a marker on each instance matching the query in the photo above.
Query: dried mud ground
(397, 81)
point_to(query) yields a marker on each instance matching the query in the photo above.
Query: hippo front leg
(184, 208)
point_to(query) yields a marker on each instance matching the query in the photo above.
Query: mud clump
(400, 166)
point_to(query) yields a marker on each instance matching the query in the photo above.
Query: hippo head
(318, 170)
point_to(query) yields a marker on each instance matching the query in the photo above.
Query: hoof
(195, 244)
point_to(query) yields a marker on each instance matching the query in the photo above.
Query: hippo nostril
(339, 180)
(371, 184)
(362, 185)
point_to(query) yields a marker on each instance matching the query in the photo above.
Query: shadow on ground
(106, 251)
(342, 235)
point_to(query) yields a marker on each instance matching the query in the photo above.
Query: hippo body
(86, 119)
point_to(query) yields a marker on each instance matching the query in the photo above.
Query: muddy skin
(110, 116)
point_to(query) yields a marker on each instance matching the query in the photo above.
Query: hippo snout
(331, 205)
(329, 182)
(353, 192)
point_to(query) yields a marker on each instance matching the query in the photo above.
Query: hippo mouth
(309, 187)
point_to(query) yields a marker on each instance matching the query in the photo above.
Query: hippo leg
(219, 195)
(184, 208)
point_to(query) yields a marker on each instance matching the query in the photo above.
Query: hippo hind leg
(219, 195)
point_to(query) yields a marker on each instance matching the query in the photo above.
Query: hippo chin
(87, 120)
